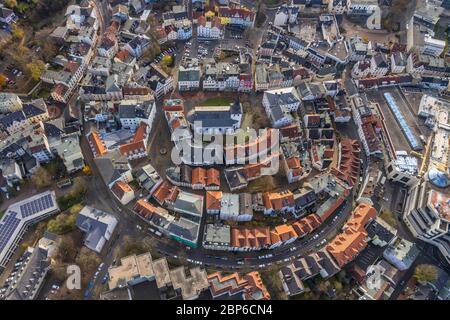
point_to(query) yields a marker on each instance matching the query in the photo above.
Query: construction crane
(423, 156)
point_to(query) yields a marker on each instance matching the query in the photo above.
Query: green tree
(35, 68)
(389, 217)
(17, 33)
(425, 273)
(167, 60)
(62, 223)
(41, 178)
(75, 209)
(10, 3)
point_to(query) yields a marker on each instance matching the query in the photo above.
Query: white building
(431, 222)
(133, 112)
(97, 225)
(398, 62)
(236, 207)
(378, 65)
(401, 253)
(9, 102)
(189, 78)
(209, 29)
(279, 104)
(70, 152)
(123, 192)
(403, 170)
(286, 15)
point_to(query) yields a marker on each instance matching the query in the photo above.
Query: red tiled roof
(199, 176)
(96, 143)
(278, 200)
(213, 199)
(361, 215)
(347, 245)
(250, 238)
(60, 89)
(349, 163)
(132, 147)
(292, 131)
(120, 188)
(137, 144)
(144, 209)
(122, 55)
(307, 224)
(166, 192)
(255, 287)
(71, 66)
(283, 233)
(212, 177)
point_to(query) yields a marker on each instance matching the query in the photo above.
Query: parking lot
(12, 74)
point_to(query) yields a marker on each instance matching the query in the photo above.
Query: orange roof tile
(278, 200)
(199, 176)
(212, 177)
(120, 188)
(122, 55)
(144, 208)
(347, 245)
(255, 290)
(132, 147)
(141, 132)
(213, 199)
(96, 143)
(250, 238)
(282, 232)
(361, 215)
(166, 192)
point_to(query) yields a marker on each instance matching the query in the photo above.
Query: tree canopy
(425, 273)
(41, 178)
(35, 68)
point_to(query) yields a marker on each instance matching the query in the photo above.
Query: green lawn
(220, 101)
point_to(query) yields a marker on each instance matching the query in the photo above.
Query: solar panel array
(402, 122)
(35, 206)
(7, 227)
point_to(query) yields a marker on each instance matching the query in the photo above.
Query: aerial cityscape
(246, 150)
